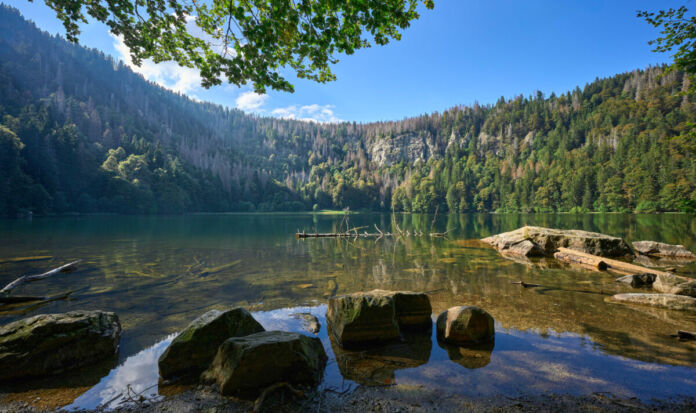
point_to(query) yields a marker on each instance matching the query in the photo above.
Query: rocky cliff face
(410, 147)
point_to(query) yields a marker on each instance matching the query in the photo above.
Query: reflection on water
(159, 273)
(516, 362)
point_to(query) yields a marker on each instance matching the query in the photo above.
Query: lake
(159, 273)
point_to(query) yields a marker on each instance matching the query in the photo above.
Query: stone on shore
(362, 318)
(638, 280)
(532, 241)
(660, 249)
(465, 325)
(669, 301)
(244, 366)
(672, 284)
(194, 348)
(48, 344)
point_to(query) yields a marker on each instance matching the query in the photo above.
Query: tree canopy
(245, 41)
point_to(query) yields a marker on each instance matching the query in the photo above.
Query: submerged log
(29, 278)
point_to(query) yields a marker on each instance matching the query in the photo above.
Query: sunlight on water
(159, 273)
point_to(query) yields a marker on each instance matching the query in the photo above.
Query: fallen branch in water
(684, 335)
(29, 278)
(524, 284)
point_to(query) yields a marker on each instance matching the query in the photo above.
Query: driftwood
(354, 233)
(684, 335)
(524, 284)
(594, 263)
(617, 266)
(29, 278)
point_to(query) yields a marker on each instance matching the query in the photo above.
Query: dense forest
(80, 132)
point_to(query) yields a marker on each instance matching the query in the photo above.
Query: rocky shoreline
(397, 398)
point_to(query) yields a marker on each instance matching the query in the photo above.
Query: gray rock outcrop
(532, 241)
(660, 249)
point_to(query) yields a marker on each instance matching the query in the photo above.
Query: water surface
(159, 273)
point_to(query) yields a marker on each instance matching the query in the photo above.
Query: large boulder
(412, 310)
(465, 325)
(194, 348)
(669, 301)
(638, 280)
(362, 318)
(673, 284)
(538, 241)
(660, 249)
(246, 365)
(376, 316)
(48, 344)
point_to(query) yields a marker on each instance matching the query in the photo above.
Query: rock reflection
(376, 366)
(471, 357)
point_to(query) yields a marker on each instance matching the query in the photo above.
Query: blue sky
(461, 52)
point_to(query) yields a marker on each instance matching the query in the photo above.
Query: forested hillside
(80, 132)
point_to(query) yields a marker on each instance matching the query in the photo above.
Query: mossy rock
(48, 344)
(194, 348)
(465, 325)
(244, 366)
(362, 318)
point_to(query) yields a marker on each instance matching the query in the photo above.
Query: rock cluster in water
(232, 349)
(391, 330)
(48, 344)
(532, 241)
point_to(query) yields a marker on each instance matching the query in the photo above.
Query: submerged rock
(638, 280)
(660, 249)
(672, 284)
(194, 348)
(361, 318)
(669, 301)
(246, 365)
(309, 322)
(48, 344)
(465, 325)
(539, 241)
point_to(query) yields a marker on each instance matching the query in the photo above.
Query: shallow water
(159, 273)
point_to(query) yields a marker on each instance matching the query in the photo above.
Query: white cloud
(251, 102)
(166, 74)
(314, 113)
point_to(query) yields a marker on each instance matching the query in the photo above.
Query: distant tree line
(80, 132)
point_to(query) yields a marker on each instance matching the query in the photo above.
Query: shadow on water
(159, 273)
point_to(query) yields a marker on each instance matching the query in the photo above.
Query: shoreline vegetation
(81, 132)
